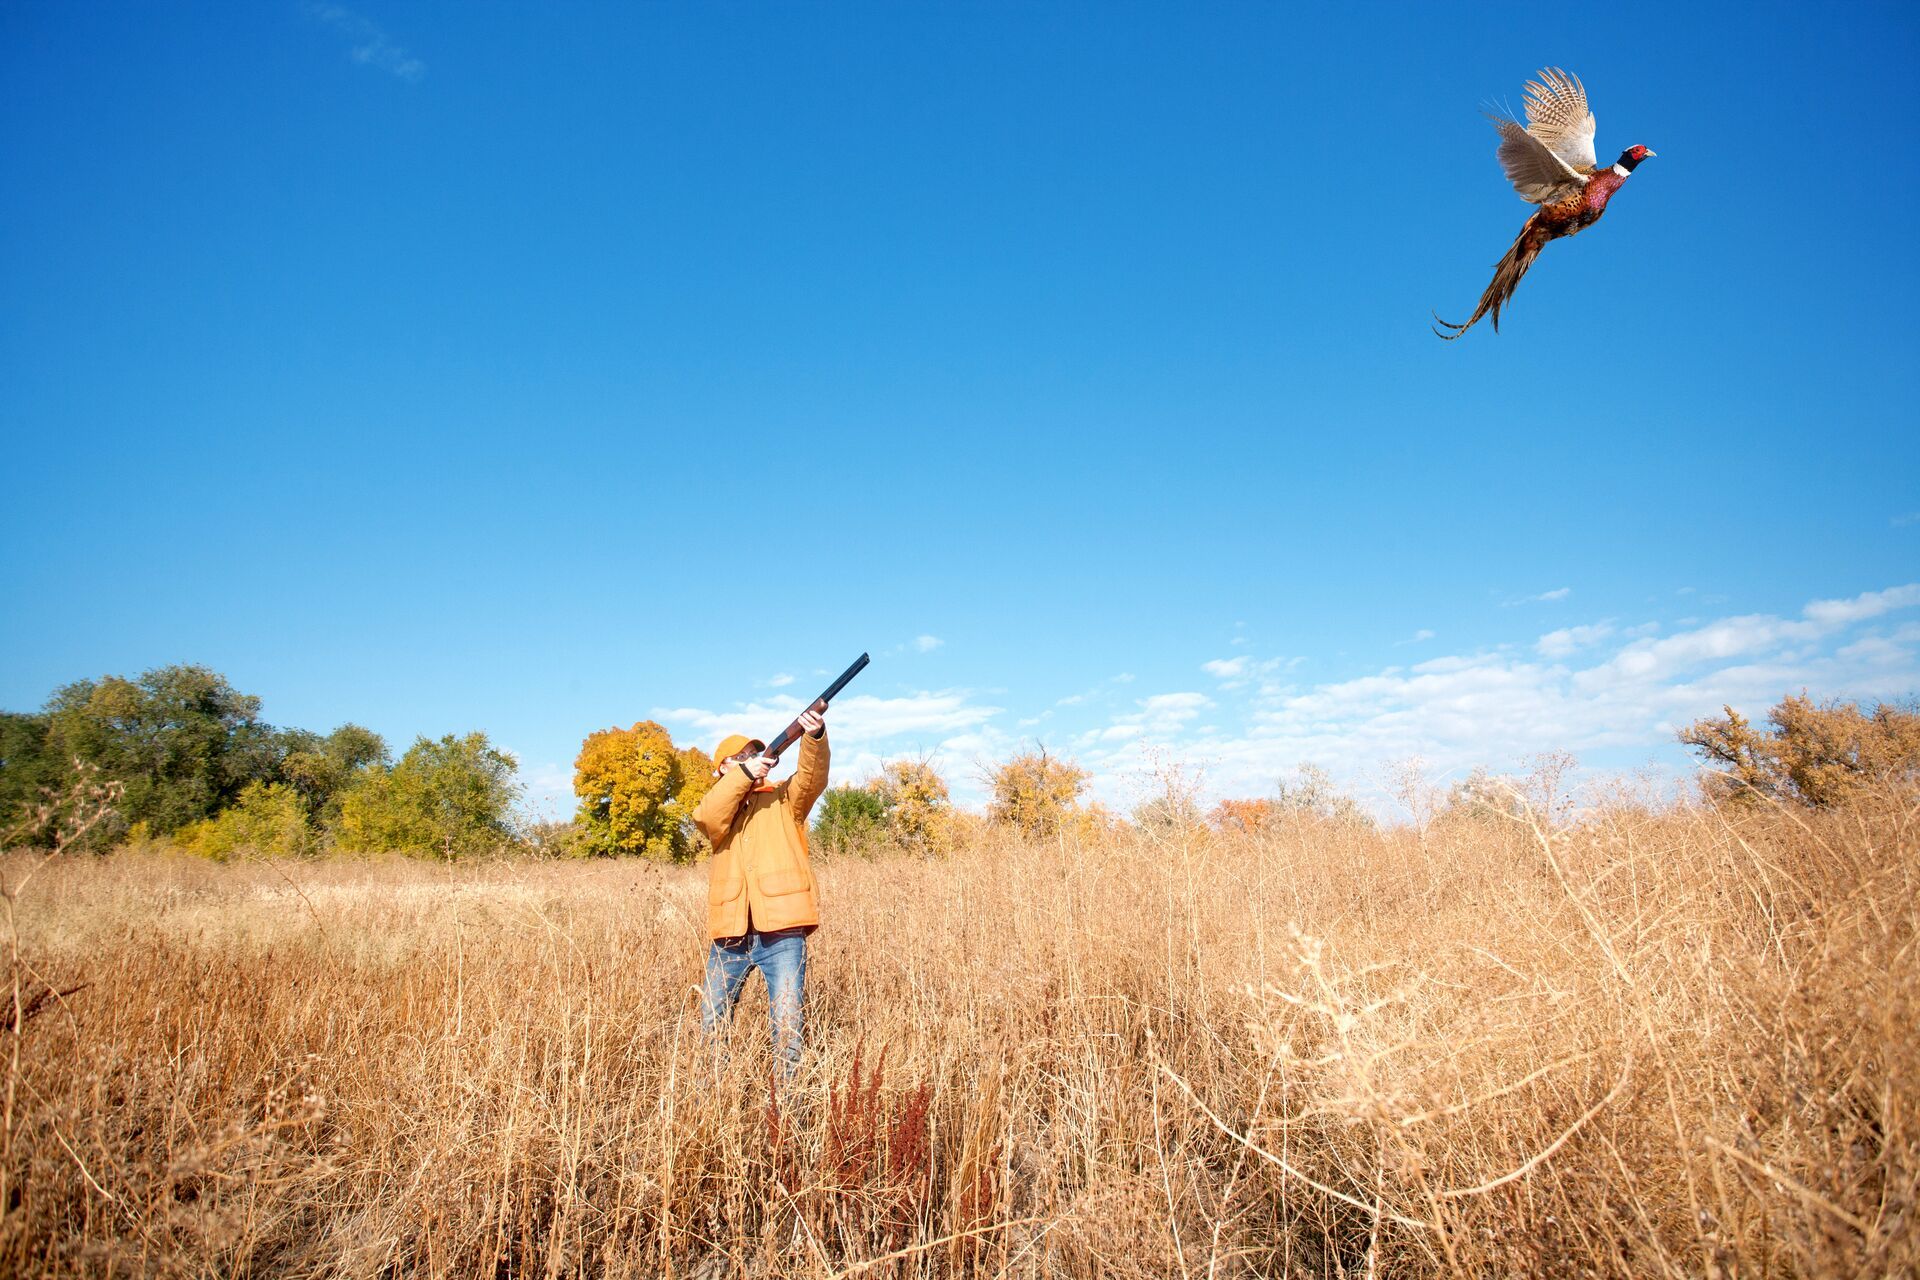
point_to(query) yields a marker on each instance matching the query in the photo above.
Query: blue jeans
(781, 957)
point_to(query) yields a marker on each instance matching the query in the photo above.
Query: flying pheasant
(1550, 163)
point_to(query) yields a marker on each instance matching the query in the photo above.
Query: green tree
(319, 770)
(181, 741)
(638, 792)
(29, 771)
(449, 796)
(851, 820)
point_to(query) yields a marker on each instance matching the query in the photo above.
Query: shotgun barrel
(789, 734)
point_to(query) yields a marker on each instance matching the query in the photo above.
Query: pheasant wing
(1535, 171)
(1557, 115)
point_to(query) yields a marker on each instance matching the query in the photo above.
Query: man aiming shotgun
(761, 902)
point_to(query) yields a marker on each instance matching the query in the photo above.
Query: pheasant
(1550, 163)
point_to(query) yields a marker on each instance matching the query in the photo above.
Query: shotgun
(792, 732)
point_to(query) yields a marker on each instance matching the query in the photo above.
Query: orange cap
(730, 744)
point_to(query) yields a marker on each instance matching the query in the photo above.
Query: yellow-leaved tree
(268, 819)
(920, 813)
(1036, 794)
(1815, 753)
(638, 792)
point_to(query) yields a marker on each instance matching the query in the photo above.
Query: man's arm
(810, 779)
(714, 815)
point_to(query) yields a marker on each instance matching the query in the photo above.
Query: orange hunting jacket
(761, 877)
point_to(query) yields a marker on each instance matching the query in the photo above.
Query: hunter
(761, 903)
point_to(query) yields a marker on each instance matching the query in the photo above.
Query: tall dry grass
(1674, 1042)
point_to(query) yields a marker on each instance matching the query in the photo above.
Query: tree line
(193, 764)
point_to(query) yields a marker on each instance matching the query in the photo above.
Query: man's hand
(758, 767)
(813, 722)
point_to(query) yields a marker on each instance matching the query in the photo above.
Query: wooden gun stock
(793, 731)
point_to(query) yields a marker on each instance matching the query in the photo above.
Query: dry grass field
(1656, 1043)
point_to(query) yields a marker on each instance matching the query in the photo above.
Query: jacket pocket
(776, 883)
(722, 892)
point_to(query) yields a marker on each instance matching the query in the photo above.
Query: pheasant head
(1632, 156)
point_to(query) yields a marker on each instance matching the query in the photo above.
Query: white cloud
(1607, 692)
(368, 44)
(1648, 659)
(1872, 649)
(1164, 712)
(1182, 706)
(1548, 597)
(857, 720)
(1570, 640)
(546, 791)
(927, 644)
(1567, 640)
(780, 681)
(1625, 700)
(1868, 604)
(1235, 673)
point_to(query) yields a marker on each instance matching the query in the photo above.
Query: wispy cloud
(1543, 597)
(546, 791)
(1419, 637)
(859, 720)
(368, 44)
(1236, 672)
(1903, 520)
(1567, 640)
(919, 644)
(1167, 709)
(780, 681)
(952, 727)
(1159, 715)
(1610, 692)
(1870, 604)
(1624, 701)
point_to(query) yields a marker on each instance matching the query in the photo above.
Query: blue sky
(539, 368)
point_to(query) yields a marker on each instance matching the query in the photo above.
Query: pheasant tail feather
(1506, 278)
